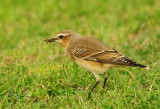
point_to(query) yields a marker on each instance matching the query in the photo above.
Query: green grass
(36, 75)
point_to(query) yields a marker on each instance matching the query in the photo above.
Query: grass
(36, 75)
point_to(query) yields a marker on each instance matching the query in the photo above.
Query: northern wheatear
(92, 54)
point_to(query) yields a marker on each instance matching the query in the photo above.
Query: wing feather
(93, 50)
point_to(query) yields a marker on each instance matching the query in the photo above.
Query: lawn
(35, 75)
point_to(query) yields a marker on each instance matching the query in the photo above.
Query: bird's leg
(97, 78)
(93, 88)
(105, 79)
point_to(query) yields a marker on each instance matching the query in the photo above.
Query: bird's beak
(51, 40)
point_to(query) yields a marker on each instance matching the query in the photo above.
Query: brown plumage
(91, 49)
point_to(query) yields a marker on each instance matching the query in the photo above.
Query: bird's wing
(91, 49)
(102, 56)
(94, 50)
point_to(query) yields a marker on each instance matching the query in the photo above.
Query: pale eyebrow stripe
(61, 34)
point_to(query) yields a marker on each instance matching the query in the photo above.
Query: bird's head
(63, 38)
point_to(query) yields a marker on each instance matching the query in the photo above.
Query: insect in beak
(50, 40)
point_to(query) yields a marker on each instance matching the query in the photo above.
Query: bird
(92, 54)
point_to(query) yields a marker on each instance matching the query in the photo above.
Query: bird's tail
(140, 66)
(128, 62)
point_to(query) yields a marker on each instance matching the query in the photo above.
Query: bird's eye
(61, 36)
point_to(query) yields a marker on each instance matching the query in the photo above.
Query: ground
(34, 74)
